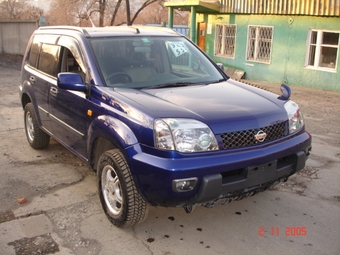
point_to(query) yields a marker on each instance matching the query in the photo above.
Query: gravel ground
(9, 60)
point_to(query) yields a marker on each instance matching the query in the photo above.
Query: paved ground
(61, 214)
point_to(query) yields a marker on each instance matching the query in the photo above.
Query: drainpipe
(193, 34)
(171, 17)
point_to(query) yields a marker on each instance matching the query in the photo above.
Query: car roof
(110, 31)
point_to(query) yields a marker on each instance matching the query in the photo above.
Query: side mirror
(220, 65)
(71, 81)
(286, 92)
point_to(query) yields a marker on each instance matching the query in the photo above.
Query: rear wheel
(122, 203)
(36, 137)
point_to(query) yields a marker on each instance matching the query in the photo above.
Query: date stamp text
(288, 231)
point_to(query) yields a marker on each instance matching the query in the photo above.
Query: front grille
(246, 138)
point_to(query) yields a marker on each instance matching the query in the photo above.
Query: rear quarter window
(34, 53)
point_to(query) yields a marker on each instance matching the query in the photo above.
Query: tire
(121, 202)
(36, 137)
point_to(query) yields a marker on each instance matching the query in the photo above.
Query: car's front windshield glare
(142, 62)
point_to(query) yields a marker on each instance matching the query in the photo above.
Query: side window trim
(68, 63)
(72, 45)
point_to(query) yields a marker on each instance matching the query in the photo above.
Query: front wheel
(36, 137)
(122, 203)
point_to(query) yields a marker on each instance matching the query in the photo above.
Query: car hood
(226, 107)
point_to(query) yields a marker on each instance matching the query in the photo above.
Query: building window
(322, 50)
(260, 41)
(225, 40)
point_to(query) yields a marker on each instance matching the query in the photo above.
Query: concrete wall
(14, 35)
(288, 49)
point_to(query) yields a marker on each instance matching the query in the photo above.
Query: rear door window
(49, 59)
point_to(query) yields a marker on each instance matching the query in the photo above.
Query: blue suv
(157, 119)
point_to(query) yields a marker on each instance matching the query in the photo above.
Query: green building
(290, 41)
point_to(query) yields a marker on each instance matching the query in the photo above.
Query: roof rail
(79, 29)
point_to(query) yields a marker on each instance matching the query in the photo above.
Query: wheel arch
(27, 94)
(25, 99)
(99, 146)
(106, 133)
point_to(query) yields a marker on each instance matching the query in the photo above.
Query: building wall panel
(283, 7)
(289, 49)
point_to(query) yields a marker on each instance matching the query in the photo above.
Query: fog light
(183, 185)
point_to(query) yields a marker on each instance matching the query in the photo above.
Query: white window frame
(257, 45)
(318, 53)
(222, 40)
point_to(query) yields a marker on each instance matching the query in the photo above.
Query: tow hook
(189, 208)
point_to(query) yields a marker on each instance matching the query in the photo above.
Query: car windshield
(152, 62)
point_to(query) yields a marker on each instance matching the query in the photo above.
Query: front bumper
(221, 174)
(246, 182)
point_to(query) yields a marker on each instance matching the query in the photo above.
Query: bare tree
(9, 8)
(132, 11)
(157, 13)
(106, 12)
(142, 7)
(114, 15)
(77, 12)
(181, 17)
(102, 6)
(29, 12)
(83, 12)
(128, 12)
(19, 10)
(70, 12)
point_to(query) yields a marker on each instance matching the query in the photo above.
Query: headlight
(183, 135)
(295, 117)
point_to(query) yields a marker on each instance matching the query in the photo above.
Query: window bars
(260, 40)
(225, 40)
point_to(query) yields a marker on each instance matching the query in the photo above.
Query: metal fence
(14, 35)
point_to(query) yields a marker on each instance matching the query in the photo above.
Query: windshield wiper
(171, 85)
(218, 81)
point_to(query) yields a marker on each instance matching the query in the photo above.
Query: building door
(201, 35)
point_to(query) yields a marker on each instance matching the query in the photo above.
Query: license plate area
(262, 173)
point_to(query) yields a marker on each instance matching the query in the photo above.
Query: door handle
(54, 91)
